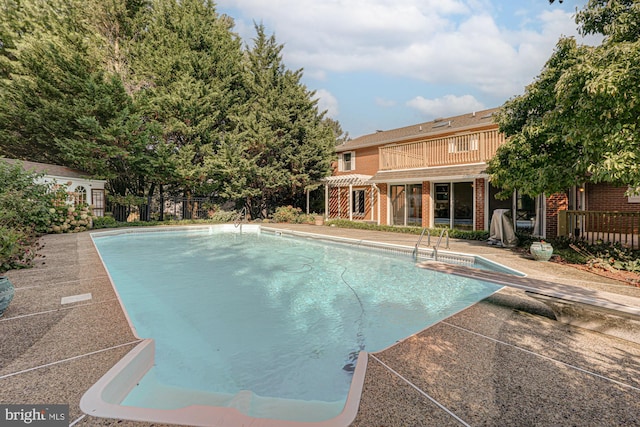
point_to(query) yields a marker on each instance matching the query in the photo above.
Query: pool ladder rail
(240, 218)
(444, 232)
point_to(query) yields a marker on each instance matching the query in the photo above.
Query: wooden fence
(601, 226)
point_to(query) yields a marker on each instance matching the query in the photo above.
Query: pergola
(350, 181)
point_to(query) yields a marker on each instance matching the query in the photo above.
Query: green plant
(105, 222)
(18, 248)
(600, 255)
(292, 215)
(69, 218)
(453, 233)
(221, 216)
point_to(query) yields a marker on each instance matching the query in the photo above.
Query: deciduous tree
(579, 120)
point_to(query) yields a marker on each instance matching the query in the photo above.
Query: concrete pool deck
(503, 361)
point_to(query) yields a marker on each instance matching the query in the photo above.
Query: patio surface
(504, 361)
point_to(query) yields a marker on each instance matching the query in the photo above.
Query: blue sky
(384, 64)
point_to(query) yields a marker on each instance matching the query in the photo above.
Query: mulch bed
(626, 277)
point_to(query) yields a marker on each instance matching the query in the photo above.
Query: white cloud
(328, 102)
(448, 105)
(435, 41)
(386, 103)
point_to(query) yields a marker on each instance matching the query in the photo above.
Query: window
(358, 202)
(347, 162)
(80, 195)
(98, 202)
(464, 143)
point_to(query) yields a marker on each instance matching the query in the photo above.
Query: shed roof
(49, 169)
(426, 129)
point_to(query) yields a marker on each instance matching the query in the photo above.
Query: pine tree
(187, 63)
(281, 146)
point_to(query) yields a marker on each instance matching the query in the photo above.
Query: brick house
(433, 174)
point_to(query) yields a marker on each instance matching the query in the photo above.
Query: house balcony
(469, 148)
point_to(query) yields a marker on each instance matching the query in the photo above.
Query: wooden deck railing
(461, 149)
(601, 226)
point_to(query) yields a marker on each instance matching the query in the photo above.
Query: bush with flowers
(29, 209)
(69, 218)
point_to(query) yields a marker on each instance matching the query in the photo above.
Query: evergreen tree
(59, 105)
(281, 146)
(187, 63)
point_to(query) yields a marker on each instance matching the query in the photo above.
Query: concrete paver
(503, 361)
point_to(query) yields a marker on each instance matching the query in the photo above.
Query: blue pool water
(280, 316)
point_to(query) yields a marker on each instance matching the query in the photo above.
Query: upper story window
(463, 143)
(347, 161)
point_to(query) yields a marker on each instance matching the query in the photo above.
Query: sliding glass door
(406, 204)
(453, 205)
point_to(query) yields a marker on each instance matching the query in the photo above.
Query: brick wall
(366, 162)
(384, 220)
(426, 203)
(555, 202)
(479, 203)
(607, 197)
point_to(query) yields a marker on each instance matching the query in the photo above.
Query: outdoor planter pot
(6, 293)
(541, 251)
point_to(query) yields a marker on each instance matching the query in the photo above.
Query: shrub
(69, 219)
(602, 255)
(17, 248)
(29, 208)
(105, 222)
(292, 215)
(222, 216)
(453, 233)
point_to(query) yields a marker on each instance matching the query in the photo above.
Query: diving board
(575, 305)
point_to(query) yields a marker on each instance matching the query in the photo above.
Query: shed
(80, 186)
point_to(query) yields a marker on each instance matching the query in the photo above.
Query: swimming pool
(270, 325)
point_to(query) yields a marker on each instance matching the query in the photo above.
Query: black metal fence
(163, 209)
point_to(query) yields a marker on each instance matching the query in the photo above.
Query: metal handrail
(415, 249)
(444, 232)
(240, 217)
(435, 248)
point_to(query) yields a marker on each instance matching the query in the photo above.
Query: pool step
(242, 401)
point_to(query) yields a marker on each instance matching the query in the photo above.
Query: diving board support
(611, 314)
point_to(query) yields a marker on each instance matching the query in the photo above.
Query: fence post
(562, 223)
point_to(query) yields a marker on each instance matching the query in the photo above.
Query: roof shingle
(426, 129)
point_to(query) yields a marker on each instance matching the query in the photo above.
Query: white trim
(435, 167)
(451, 178)
(486, 204)
(352, 161)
